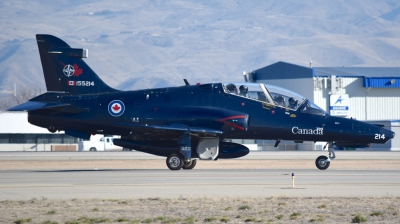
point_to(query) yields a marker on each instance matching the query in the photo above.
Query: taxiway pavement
(62, 183)
(254, 155)
(69, 184)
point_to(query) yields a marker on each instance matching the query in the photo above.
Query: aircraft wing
(37, 105)
(172, 127)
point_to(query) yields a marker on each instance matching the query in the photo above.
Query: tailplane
(64, 70)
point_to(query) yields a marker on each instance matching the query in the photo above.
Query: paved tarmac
(263, 155)
(67, 184)
(146, 183)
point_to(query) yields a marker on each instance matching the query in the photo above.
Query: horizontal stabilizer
(37, 105)
(172, 127)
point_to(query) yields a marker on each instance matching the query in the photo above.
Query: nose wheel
(323, 162)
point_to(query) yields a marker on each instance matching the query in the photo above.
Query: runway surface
(135, 155)
(145, 183)
(67, 184)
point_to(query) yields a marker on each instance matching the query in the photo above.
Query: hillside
(145, 44)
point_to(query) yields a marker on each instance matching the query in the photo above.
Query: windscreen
(310, 108)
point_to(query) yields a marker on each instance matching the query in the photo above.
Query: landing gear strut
(323, 162)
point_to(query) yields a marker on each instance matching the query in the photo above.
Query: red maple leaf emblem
(78, 71)
(116, 107)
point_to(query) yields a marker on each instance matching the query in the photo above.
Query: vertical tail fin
(64, 70)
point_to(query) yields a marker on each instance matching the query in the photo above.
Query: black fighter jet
(183, 123)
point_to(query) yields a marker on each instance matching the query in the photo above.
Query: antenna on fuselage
(186, 82)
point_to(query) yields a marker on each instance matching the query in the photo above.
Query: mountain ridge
(147, 44)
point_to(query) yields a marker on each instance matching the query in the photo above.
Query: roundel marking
(116, 108)
(69, 70)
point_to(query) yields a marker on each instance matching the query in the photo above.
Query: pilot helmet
(292, 101)
(231, 87)
(243, 89)
(279, 99)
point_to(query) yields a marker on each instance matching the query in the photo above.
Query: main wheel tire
(174, 161)
(321, 162)
(93, 149)
(190, 165)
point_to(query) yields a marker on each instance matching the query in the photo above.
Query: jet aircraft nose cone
(386, 135)
(390, 134)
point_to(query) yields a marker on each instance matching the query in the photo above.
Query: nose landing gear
(323, 162)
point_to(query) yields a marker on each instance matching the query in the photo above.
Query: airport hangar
(369, 94)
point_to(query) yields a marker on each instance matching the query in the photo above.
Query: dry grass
(202, 210)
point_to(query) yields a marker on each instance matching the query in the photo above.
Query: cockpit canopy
(273, 95)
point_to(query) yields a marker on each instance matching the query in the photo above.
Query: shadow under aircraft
(184, 123)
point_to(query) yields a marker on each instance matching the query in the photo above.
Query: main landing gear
(323, 162)
(189, 165)
(176, 162)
